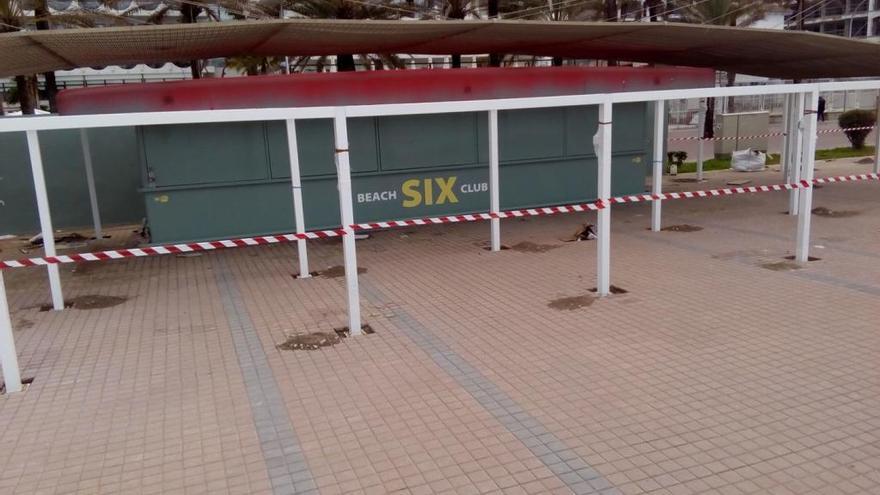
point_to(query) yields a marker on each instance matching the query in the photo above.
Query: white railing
(798, 156)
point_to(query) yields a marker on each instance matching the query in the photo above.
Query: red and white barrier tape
(170, 249)
(599, 204)
(319, 234)
(727, 191)
(476, 217)
(846, 178)
(769, 134)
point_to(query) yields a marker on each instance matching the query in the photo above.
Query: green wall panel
(423, 141)
(406, 167)
(316, 145)
(117, 178)
(195, 154)
(537, 133)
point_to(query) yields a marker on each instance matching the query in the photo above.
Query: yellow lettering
(410, 190)
(429, 192)
(446, 192)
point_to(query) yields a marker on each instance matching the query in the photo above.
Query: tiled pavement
(713, 374)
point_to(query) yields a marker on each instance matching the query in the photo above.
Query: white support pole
(90, 182)
(877, 136)
(802, 250)
(701, 124)
(45, 217)
(346, 210)
(785, 153)
(296, 186)
(494, 186)
(797, 155)
(657, 165)
(602, 143)
(8, 355)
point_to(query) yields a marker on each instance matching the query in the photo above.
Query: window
(858, 27)
(837, 28)
(858, 6)
(834, 7)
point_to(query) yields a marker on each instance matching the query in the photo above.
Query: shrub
(856, 118)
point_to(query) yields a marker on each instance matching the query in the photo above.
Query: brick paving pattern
(721, 371)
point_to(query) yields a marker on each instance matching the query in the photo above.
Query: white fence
(800, 125)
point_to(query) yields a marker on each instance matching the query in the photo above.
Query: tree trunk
(41, 12)
(26, 97)
(709, 127)
(731, 80)
(653, 7)
(492, 8)
(345, 63)
(195, 68)
(611, 16)
(456, 61)
(610, 11)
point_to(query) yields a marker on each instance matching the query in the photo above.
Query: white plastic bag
(748, 161)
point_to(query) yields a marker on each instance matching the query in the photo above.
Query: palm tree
(345, 9)
(189, 14)
(11, 20)
(737, 13)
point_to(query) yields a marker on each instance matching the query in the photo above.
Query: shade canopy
(771, 53)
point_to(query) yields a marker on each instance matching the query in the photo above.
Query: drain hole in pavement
(571, 303)
(532, 247)
(682, 228)
(310, 341)
(337, 271)
(809, 258)
(24, 382)
(781, 266)
(345, 332)
(614, 290)
(821, 211)
(89, 302)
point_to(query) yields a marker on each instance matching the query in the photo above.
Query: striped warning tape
(319, 234)
(599, 204)
(476, 217)
(846, 178)
(726, 191)
(769, 134)
(169, 249)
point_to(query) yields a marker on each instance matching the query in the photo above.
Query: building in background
(850, 18)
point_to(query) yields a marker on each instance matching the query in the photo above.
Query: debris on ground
(780, 266)
(866, 160)
(682, 228)
(89, 302)
(37, 240)
(738, 182)
(337, 271)
(821, 211)
(584, 233)
(531, 247)
(571, 303)
(310, 341)
(7, 237)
